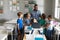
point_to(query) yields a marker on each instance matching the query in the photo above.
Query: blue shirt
(20, 23)
(27, 21)
(36, 14)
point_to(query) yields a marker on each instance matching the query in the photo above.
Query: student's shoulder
(18, 19)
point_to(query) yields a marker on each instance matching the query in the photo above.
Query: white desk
(3, 36)
(32, 36)
(9, 27)
(57, 31)
(13, 21)
(36, 30)
(3, 33)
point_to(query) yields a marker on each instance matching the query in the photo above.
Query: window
(57, 9)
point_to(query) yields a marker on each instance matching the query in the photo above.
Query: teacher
(35, 13)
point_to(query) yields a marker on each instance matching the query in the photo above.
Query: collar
(35, 10)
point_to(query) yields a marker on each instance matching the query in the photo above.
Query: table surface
(3, 33)
(12, 21)
(32, 36)
(3, 36)
(57, 30)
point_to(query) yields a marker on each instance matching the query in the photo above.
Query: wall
(48, 7)
(11, 15)
(53, 8)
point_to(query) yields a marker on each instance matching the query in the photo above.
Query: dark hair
(47, 24)
(32, 21)
(35, 5)
(19, 13)
(25, 15)
(43, 16)
(50, 16)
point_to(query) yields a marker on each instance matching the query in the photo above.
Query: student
(42, 20)
(27, 19)
(49, 19)
(48, 32)
(20, 26)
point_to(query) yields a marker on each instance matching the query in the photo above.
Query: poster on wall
(32, 2)
(14, 5)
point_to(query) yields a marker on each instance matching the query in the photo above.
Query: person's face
(21, 16)
(47, 25)
(36, 7)
(29, 15)
(49, 18)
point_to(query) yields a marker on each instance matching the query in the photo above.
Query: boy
(28, 19)
(49, 19)
(20, 26)
(42, 21)
(47, 31)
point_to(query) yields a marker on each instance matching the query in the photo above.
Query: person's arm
(32, 14)
(39, 13)
(18, 26)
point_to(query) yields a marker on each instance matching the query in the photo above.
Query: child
(42, 20)
(20, 26)
(48, 32)
(49, 19)
(27, 19)
(33, 21)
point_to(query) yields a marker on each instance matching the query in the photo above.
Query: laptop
(36, 25)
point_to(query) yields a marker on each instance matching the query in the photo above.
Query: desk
(3, 33)
(32, 36)
(10, 26)
(13, 21)
(3, 36)
(36, 30)
(57, 29)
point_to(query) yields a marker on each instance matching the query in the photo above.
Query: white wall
(48, 7)
(11, 15)
(53, 8)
